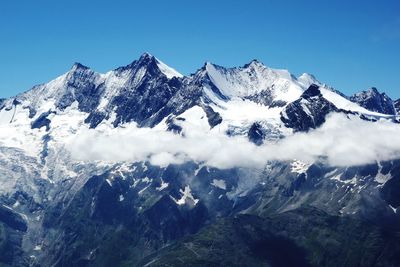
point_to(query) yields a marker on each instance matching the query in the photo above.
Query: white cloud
(347, 142)
(340, 141)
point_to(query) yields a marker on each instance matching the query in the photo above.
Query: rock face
(56, 210)
(12, 228)
(12, 219)
(256, 134)
(397, 106)
(375, 101)
(309, 111)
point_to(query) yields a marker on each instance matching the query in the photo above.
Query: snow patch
(393, 208)
(186, 195)
(162, 186)
(299, 167)
(219, 184)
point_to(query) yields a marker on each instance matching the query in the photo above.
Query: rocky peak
(312, 91)
(308, 112)
(78, 66)
(373, 100)
(254, 64)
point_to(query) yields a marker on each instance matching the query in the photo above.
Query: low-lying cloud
(339, 142)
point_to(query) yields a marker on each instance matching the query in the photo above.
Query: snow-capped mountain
(147, 91)
(136, 206)
(375, 101)
(253, 79)
(99, 94)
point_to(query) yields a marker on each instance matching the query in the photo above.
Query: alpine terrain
(143, 166)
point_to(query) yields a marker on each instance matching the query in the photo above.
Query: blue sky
(351, 45)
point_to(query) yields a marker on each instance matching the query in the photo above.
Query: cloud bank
(339, 142)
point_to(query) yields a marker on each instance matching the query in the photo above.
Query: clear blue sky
(351, 45)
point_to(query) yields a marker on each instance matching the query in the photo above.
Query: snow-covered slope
(252, 79)
(342, 102)
(306, 80)
(167, 70)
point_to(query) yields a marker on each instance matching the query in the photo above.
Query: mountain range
(92, 174)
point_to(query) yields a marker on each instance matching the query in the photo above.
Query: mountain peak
(146, 59)
(309, 76)
(153, 64)
(312, 91)
(80, 71)
(373, 90)
(79, 66)
(208, 64)
(252, 80)
(373, 100)
(307, 79)
(254, 64)
(146, 56)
